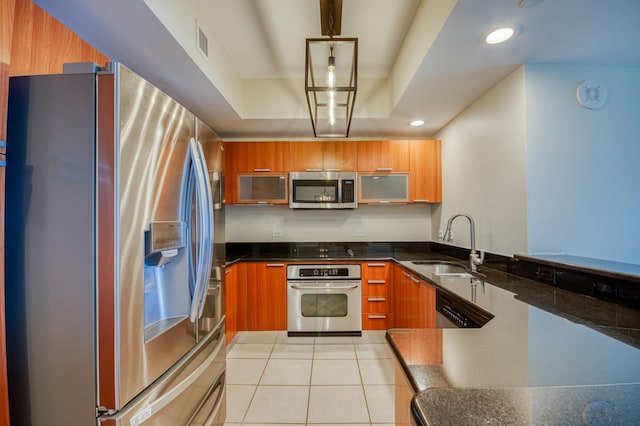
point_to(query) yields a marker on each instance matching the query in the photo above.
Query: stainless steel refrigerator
(114, 253)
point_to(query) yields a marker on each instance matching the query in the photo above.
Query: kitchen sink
(444, 269)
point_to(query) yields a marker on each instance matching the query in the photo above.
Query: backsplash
(367, 223)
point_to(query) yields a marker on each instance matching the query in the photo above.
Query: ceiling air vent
(202, 41)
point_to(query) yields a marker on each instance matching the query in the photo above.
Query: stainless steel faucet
(475, 259)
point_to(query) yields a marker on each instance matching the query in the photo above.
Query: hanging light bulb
(332, 107)
(331, 82)
(331, 68)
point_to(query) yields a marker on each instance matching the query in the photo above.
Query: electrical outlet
(359, 233)
(276, 233)
(440, 234)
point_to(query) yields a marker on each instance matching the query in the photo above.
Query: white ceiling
(417, 58)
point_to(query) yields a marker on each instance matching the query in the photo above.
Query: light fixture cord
(331, 19)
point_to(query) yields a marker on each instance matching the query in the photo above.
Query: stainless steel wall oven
(324, 299)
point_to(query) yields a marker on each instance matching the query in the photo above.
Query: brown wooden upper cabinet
(230, 184)
(383, 156)
(338, 156)
(425, 161)
(258, 173)
(261, 157)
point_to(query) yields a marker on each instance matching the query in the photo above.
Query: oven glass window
(324, 305)
(315, 191)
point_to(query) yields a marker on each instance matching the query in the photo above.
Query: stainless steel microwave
(323, 190)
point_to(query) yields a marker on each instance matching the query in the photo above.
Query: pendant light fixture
(331, 71)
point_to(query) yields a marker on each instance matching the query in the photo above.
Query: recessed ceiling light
(500, 35)
(416, 123)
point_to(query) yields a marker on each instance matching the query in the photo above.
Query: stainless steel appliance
(454, 312)
(324, 299)
(114, 250)
(323, 190)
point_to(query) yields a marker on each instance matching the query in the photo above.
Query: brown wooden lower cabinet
(376, 295)
(235, 299)
(392, 297)
(414, 300)
(266, 296)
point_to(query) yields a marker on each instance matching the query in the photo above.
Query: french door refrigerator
(114, 252)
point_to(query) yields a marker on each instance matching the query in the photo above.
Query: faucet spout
(474, 258)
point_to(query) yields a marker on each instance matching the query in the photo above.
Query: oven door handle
(333, 287)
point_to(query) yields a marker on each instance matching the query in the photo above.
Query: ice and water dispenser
(166, 267)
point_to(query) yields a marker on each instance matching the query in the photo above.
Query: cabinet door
(230, 184)
(383, 188)
(231, 301)
(414, 300)
(426, 171)
(383, 156)
(340, 156)
(267, 188)
(261, 157)
(306, 156)
(235, 291)
(319, 156)
(266, 296)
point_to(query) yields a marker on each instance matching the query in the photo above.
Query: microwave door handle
(208, 236)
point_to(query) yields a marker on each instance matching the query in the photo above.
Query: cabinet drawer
(373, 304)
(375, 288)
(376, 321)
(376, 278)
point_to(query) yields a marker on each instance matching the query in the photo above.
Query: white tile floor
(274, 379)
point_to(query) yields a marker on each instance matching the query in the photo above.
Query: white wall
(375, 223)
(483, 170)
(583, 165)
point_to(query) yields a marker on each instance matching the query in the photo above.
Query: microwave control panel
(348, 191)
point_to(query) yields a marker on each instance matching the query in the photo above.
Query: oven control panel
(323, 272)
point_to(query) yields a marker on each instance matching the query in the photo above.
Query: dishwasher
(455, 312)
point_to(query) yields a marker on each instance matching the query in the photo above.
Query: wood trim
(41, 44)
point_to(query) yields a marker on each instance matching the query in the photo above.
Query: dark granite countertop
(543, 344)
(549, 356)
(627, 271)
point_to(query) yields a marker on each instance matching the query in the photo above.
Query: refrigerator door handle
(205, 237)
(208, 238)
(216, 389)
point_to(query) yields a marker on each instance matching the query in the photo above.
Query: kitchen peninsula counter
(547, 356)
(537, 361)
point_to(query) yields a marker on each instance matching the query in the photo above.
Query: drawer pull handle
(376, 265)
(275, 265)
(261, 170)
(384, 169)
(376, 282)
(414, 279)
(376, 316)
(376, 299)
